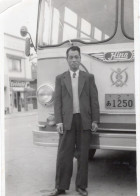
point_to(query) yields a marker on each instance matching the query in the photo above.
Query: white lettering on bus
(118, 55)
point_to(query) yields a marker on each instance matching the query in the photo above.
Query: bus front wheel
(91, 154)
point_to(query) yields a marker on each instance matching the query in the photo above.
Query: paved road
(30, 169)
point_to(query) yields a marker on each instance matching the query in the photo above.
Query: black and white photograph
(70, 97)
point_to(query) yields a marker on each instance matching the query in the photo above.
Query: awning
(22, 89)
(19, 89)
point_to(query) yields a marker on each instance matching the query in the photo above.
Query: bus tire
(91, 154)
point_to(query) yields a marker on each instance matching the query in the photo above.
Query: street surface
(30, 169)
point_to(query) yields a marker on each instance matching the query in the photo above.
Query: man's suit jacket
(88, 100)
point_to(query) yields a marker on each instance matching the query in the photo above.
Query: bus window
(60, 21)
(128, 18)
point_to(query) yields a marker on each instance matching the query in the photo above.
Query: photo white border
(137, 96)
(2, 144)
(137, 85)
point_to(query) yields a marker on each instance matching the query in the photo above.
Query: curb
(20, 114)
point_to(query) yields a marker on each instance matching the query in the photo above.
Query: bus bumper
(114, 141)
(100, 140)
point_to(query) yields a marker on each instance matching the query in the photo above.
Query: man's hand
(94, 127)
(59, 128)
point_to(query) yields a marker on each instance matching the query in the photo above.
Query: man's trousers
(73, 141)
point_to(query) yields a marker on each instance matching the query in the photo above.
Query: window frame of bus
(74, 40)
(123, 21)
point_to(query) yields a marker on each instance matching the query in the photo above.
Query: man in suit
(76, 110)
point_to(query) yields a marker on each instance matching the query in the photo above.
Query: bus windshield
(128, 19)
(65, 20)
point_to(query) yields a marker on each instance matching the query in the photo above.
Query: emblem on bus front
(119, 77)
(118, 56)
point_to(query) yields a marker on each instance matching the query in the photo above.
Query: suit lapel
(81, 82)
(67, 81)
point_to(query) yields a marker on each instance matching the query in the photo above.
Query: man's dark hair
(73, 48)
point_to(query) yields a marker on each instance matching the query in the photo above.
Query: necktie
(74, 75)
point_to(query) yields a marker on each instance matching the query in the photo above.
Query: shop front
(18, 101)
(18, 95)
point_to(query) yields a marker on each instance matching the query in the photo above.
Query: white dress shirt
(74, 81)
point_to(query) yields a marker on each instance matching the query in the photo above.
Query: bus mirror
(23, 31)
(28, 42)
(27, 46)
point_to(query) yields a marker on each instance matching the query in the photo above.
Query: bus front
(103, 30)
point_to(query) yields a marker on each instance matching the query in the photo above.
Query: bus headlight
(45, 94)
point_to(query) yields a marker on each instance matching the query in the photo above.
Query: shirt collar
(77, 73)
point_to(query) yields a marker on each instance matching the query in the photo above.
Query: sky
(22, 14)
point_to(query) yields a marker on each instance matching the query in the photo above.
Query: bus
(104, 31)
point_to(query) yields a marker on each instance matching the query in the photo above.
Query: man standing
(76, 110)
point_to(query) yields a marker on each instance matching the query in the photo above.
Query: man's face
(74, 60)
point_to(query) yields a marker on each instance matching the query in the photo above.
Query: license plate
(119, 101)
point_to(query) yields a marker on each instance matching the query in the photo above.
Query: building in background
(31, 95)
(18, 93)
